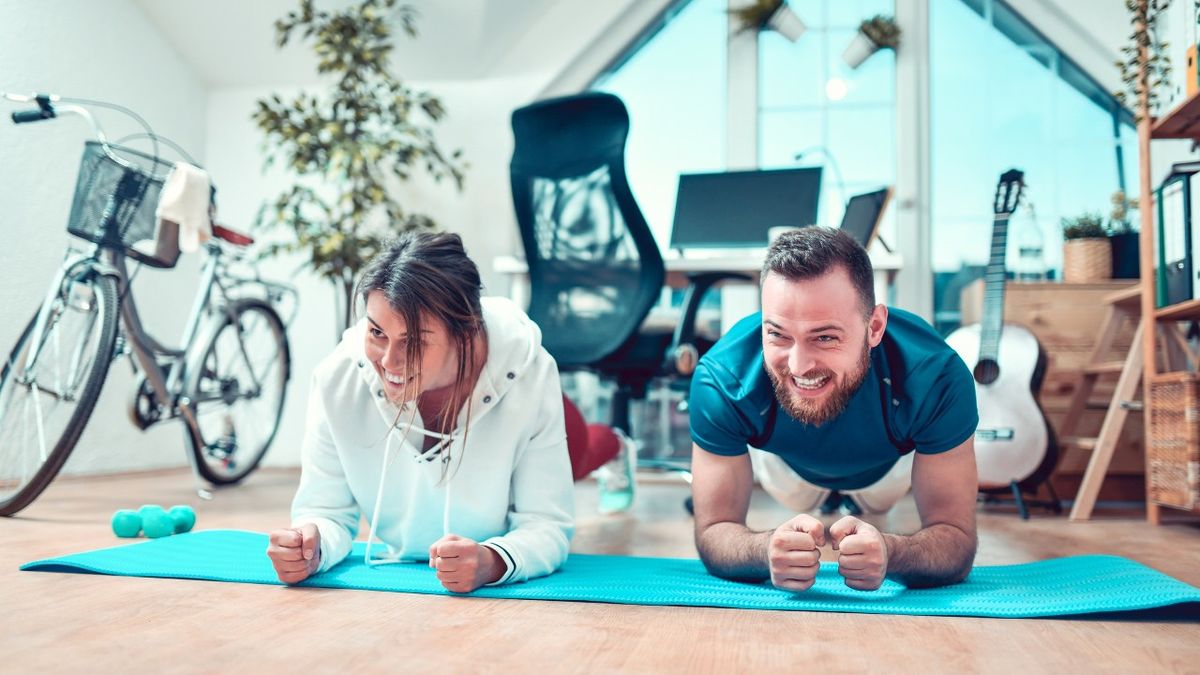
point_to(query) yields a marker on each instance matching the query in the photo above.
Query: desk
(737, 299)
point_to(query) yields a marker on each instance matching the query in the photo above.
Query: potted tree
(875, 33)
(759, 15)
(1087, 253)
(350, 146)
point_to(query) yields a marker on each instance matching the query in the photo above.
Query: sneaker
(616, 478)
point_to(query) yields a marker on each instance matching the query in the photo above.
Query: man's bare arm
(721, 488)
(942, 552)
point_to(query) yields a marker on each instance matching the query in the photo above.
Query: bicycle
(227, 380)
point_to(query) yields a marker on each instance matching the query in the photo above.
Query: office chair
(595, 270)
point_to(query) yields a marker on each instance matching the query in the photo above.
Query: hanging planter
(773, 15)
(785, 22)
(878, 32)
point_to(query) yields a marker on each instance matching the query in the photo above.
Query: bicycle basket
(115, 202)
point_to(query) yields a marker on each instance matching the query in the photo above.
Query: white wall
(108, 51)
(477, 122)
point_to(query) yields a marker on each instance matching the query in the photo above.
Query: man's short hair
(811, 252)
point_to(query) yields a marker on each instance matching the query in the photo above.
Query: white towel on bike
(184, 201)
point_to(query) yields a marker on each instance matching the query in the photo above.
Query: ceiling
(231, 43)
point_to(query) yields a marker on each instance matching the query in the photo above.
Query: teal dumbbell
(153, 521)
(156, 522)
(184, 518)
(126, 524)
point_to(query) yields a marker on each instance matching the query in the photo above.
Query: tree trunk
(343, 290)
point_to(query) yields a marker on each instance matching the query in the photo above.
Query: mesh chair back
(594, 267)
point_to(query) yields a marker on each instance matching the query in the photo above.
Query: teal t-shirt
(917, 395)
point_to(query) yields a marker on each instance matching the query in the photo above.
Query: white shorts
(788, 488)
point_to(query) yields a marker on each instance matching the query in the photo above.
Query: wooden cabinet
(1066, 320)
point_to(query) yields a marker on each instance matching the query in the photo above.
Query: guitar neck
(992, 321)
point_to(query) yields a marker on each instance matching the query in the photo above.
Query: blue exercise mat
(1064, 586)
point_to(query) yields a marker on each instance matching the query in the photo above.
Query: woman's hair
(427, 275)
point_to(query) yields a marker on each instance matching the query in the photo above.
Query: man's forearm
(938, 555)
(734, 551)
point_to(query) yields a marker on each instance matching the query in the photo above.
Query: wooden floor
(57, 622)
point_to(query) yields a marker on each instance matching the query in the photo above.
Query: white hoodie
(509, 489)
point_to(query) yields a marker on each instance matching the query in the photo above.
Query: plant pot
(1087, 260)
(859, 49)
(1125, 249)
(787, 23)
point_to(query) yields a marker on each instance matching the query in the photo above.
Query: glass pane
(674, 88)
(841, 119)
(789, 74)
(840, 13)
(995, 105)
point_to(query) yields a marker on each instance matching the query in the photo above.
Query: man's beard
(817, 411)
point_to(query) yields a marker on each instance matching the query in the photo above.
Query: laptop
(864, 213)
(735, 209)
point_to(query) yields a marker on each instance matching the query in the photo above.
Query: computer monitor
(864, 213)
(734, 209)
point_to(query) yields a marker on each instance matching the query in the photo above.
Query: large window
(1002, 96)
(811, 102)
(673, 83)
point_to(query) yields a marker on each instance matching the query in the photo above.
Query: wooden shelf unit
(1187, 310)
(1183, 122)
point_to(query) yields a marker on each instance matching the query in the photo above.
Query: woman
(440, 417)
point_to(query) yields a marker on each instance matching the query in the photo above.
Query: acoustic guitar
(1015, 448)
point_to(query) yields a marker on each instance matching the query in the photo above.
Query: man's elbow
(957, 573)
(962, 558)
(967, 562)
(705, 549)
(953, 566)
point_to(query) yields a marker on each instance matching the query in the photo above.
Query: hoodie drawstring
(444, 440)
(387, 448)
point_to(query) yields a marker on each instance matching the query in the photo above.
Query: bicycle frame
(147, 351)
(167, 386)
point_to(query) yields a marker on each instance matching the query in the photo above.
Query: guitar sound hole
(986, 371)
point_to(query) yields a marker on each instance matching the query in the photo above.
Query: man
(833, 393)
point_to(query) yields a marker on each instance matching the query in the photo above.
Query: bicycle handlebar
(45, 109)
(23, 116)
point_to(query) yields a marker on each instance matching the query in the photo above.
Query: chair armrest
(683, 354)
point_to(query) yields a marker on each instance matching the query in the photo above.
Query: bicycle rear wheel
(237, 391)
(48, 390)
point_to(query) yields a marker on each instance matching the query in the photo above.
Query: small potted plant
(1123, 238)
(759, 15)
(1087, 253)
(875, 33)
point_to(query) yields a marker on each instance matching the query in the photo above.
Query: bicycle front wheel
(50, 383)
(237, 391)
